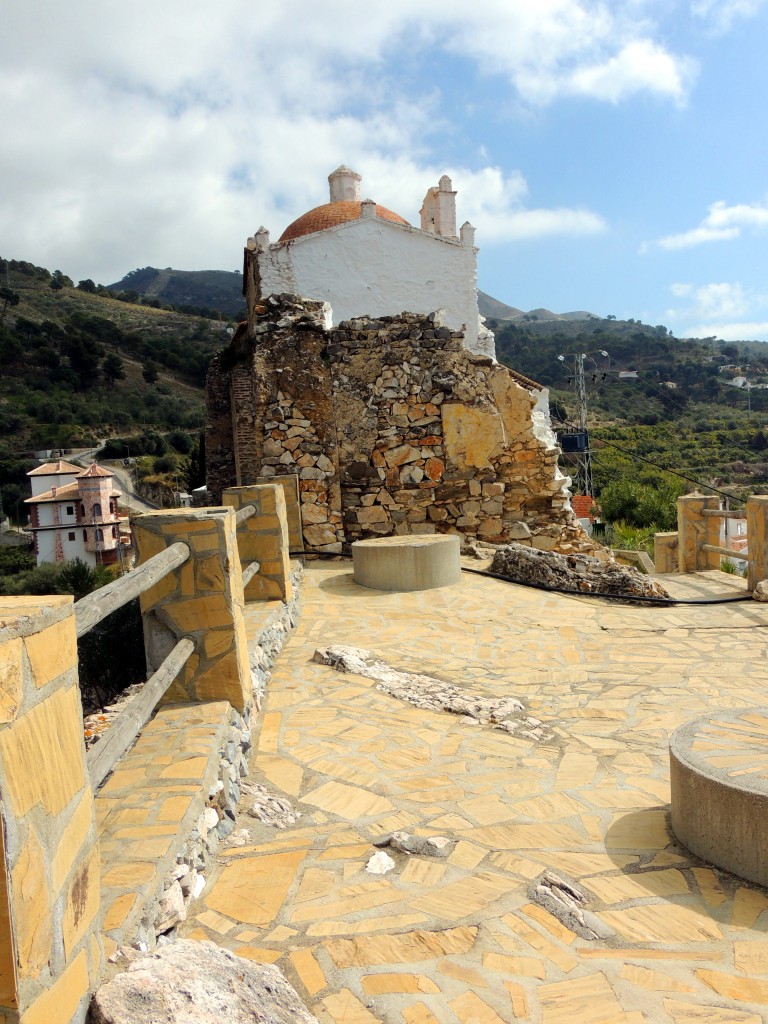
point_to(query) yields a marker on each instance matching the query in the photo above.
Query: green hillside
(206, 291)
(81, 367)
(655, 400)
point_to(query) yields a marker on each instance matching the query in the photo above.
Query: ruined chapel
(372, 385)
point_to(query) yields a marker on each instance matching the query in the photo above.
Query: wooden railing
(697, 541)
(94, 607)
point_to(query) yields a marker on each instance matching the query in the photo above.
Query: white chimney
(345, 185)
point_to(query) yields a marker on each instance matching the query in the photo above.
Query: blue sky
(612, 155)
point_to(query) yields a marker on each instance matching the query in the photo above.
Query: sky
(613, 156)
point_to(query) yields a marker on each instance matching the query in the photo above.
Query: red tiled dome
(331, 214)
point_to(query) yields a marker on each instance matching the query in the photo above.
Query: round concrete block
(719, 778)
(407, 563)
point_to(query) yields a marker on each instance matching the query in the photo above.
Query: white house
(364, 259)
(73, 513)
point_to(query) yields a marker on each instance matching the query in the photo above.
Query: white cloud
(746, 331)
(153, 133)
(640, 66)
(721, 223)
(721, 308)
(720, 14)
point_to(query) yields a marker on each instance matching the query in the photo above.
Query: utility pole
(584, 474)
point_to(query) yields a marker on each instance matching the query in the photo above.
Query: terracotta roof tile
(93, 470)
(55, 468)
(332, 214)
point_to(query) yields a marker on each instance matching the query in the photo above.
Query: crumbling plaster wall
(379, 268)
(391, 426)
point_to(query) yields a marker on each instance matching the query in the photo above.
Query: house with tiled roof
(74, 513)
(366, 260)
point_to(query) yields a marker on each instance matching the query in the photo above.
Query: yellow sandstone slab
(747, 990)
(515, 966)
(589, 1000)
(55, 726)
(382, 984)
(422, 872)
(471, 1009)
(465, 896)
(32, 908)
(344, 1008)
(309, 971)
(60, 1001)
(751, 957)
(639, 886)
(252, 890)
(662, 922)
(404, 948)
(348, 802)
(656, 981)
(695, 1013)
(418, 1013)
(82, 901)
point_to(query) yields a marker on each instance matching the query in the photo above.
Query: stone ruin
(392, 427)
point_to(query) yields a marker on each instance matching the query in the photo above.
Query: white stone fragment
(380, 863)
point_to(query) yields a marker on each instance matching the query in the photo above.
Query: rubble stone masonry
(391, 426)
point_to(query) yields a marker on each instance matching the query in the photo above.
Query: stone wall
(50, 950)
(391, 426)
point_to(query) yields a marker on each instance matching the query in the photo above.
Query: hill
(654, 400)
(188, 290)
(499, 311)
(80, 367)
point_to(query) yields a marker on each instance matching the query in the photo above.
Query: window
(114, 531)
(70, 536)
(99, 535)
(85, 536)
(96, 510)
(70, 511)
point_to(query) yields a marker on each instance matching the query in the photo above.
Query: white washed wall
(374, 267)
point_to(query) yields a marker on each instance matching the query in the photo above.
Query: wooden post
(694, 529)
(757, 539)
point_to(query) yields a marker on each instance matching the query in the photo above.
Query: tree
(149, 372)
(112, 368)
(9, 298)
(87, 286)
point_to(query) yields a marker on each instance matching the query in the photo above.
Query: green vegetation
(111, 655)
(678, 413)
(80, 365)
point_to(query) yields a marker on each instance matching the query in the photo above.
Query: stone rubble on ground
(576, 573)
(760, 593)
(379, 864)
(430, 846)
(268, 808)
(568, 903)
(191, 982)
(505, 713)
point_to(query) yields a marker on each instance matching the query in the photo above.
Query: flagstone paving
(462, 939)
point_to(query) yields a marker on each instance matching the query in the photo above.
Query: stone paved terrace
(460, 940)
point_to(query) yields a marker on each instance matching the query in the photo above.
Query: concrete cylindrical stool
(419, 562)
(719, 777)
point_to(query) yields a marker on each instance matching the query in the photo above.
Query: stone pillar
(757, 539)
(665, 547)
(50, 946)
(290, 485)
(694, 529)
(263, 538)
(201, 599)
